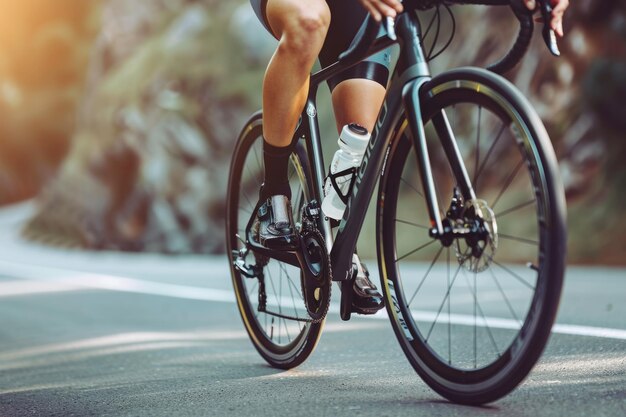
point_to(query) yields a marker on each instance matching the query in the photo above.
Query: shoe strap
(280, 209)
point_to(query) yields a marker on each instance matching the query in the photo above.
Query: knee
(304, 32)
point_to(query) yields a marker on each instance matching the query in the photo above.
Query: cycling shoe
(276, 226)
(366, 299)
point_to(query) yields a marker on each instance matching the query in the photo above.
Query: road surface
(145, 335)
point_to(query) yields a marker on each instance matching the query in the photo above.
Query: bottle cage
(333, 181)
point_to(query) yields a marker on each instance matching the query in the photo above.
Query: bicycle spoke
(254, 287)
(519, 278)
(255, 309)
(519, 239)
(295, 310)
(280, 310)
(515, 208)
(506, 299)
(491, 148)
(249, 212)
(290, 286)
(286, 330)
(411, 224)
(412, 187)
(280, 297)
(248, 200)
(256, 177)
(475, 328)
(291, 282)
(416, 250)
(426, 275)
(456, 274)
(508, 182)
(480, 310)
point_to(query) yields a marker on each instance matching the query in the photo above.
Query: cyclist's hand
(558, 8)
(380, 8)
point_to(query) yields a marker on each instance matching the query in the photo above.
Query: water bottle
(352, 142)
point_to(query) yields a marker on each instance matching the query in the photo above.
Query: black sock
(276, 160)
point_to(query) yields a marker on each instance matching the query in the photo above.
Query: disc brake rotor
(476, 251)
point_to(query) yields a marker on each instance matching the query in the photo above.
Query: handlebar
(549, 36)
(370, 29)
(524, 36)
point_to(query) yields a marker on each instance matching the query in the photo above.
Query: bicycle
(501, 239)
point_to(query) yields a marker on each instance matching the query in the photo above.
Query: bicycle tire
(449, 368)
(261, 326)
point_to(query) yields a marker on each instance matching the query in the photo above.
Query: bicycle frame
(410, 74)
(531, 264)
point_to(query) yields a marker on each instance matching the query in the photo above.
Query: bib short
(347, 18)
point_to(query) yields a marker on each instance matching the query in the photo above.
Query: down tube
(367, 176)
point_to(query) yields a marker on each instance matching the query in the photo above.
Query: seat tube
(316, 162)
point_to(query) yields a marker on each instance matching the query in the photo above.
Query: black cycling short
(347, 18)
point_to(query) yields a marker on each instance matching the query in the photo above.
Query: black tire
(509, 308)
(283, 343)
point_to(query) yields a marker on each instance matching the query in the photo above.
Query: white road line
(21, 287)
(508, 324)
(575, 330)
(88, 280)
(131, 285)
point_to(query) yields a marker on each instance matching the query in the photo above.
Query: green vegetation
(142, 103)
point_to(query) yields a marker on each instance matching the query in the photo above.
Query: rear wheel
(473, 317)
(282, 342)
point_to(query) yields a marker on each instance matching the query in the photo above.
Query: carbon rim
(455, 333)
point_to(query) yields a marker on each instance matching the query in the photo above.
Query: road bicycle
(470, 220)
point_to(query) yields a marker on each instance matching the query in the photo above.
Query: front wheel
(473, 318)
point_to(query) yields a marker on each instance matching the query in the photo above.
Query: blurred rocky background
(119, 116)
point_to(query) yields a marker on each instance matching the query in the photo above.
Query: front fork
(411, 97)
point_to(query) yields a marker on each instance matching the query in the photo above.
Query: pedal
(310, 215)
(345, 308)
(312, 210)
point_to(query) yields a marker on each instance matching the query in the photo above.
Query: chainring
(316, 275)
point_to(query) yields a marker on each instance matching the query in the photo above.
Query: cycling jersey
(347, 17)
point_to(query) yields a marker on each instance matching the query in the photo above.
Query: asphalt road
(110, 334)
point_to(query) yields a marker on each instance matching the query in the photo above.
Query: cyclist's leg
(300, 28)
(359, 91)
(358, 100)
(357, 95)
